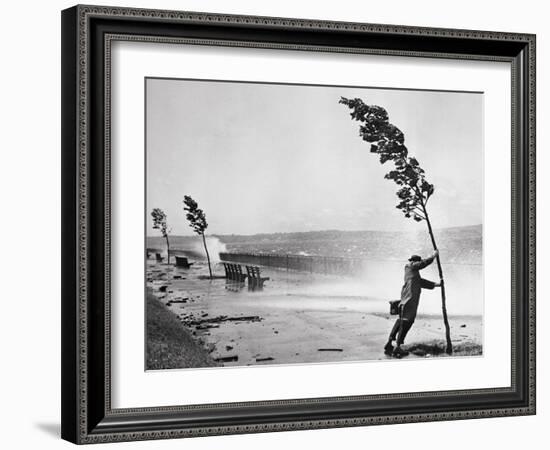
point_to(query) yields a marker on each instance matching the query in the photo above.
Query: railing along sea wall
(314, 264)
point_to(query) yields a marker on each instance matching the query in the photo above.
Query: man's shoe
(388, 349)
(398, 352)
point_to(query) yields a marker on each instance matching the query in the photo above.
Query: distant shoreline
(460, 245)
(323, 232)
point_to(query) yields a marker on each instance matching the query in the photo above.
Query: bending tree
(414, 192)
(159, 223)
(197, 221)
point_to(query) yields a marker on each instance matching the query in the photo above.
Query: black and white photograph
(298, 224)
(275, 225)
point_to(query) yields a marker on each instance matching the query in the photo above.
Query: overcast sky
(262, 158)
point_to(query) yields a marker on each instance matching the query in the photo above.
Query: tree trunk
(207, 255)
(449, 349)
(167, 249)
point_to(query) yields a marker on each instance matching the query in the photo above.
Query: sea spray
(195, 248)
(384, 279)
(381, 282)
(215, 247)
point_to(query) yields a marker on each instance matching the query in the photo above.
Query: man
(410, 297)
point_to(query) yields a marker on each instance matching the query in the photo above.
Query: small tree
(197, 221)
(159, 223)
(388, 141)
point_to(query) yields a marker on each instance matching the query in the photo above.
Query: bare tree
(388, 141)
(197, 221)
(159, 223)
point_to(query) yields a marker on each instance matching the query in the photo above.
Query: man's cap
(415, 258)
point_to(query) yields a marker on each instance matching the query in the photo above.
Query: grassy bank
(169, 344)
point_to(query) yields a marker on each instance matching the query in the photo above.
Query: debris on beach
(221, 319)
(463, 325)
(227, 358)
(209, 347)
(177, 300)
(163, 288)
(269, 358)
(207, 326)
(330, 350)
(228, 347)
(156, 276)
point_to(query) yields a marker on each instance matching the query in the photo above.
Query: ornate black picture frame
(87, 34)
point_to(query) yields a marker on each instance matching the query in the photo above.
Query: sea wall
(313, 264)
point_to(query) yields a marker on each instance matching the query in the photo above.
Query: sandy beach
(297, 318)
